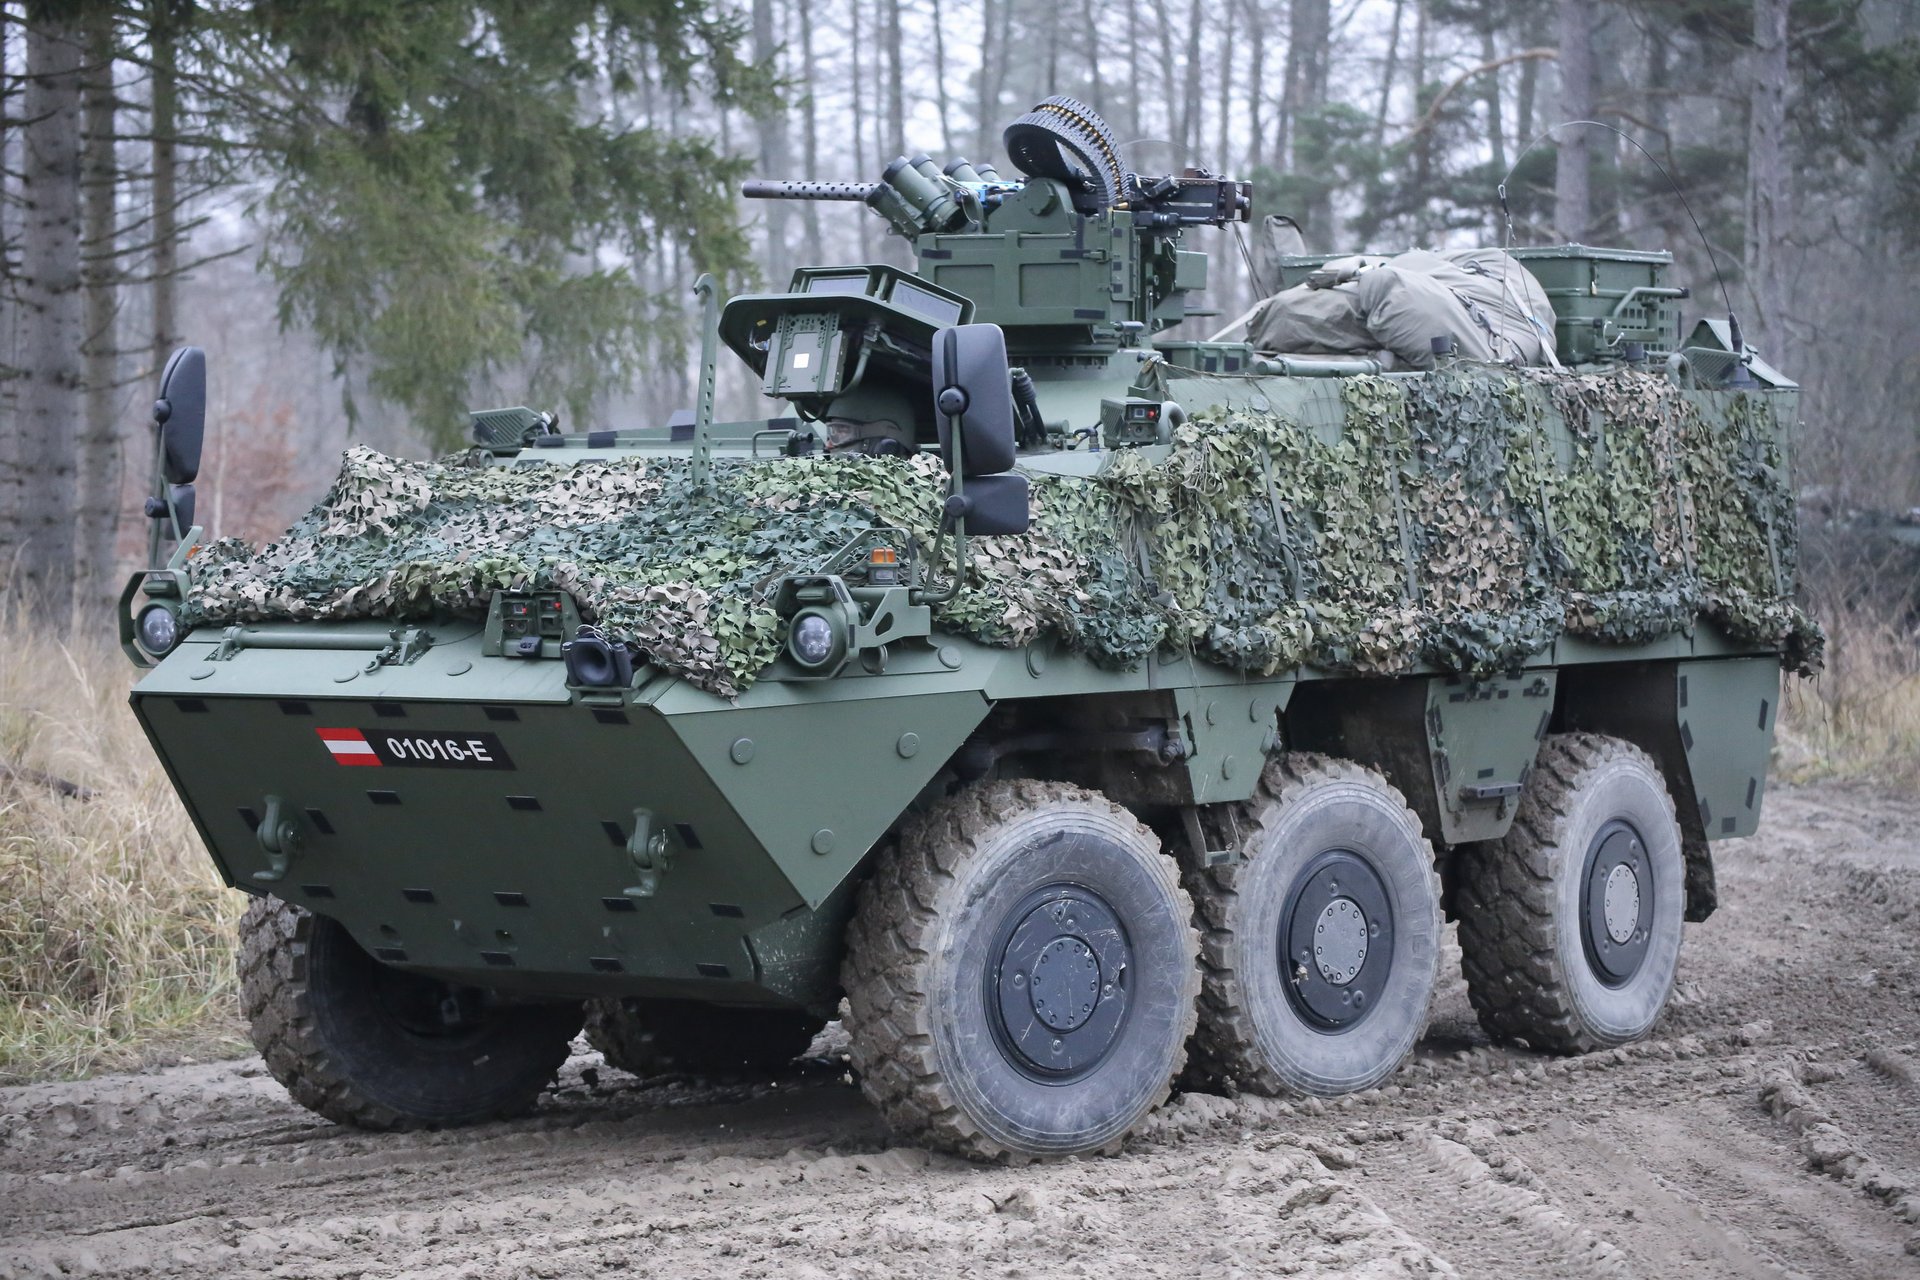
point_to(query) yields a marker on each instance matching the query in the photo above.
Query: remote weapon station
(1080, 705)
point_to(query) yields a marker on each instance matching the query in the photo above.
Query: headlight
(158, 628)
(815, 640)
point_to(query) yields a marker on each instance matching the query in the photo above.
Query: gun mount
(1077, 259)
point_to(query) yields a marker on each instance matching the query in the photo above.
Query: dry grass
(1861, 716)
(115, 932)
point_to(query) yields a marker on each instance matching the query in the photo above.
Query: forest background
(374, 215)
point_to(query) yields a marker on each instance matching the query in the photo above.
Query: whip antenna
(1713, 260)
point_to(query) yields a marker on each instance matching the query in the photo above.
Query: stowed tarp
(1442, 525)
(1483, 299)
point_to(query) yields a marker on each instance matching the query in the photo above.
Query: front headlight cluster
(817, 639)
(158, 629)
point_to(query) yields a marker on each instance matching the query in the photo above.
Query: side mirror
(973, 399)
(180, 415)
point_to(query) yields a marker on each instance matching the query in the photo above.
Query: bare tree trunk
(8, 321)
(810, 137)
(987, 101)
(1386, 74)
(1052, 80)
(860, 166)
(993, 124)
(1496, 131)
(1256, 78)
(896, 81)
(1768, 195)
(1572, 200)
(101, 447)
(771, 125)
(1136, 127)
(1529, 84)
(38, 497)
(940, 81)
(1423, 144)
(1096, 82)
(1310, 25)
(1223, 115)
(1190, 127)
(1169, 106)
(166, 200)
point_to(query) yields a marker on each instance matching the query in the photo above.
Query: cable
(1246, 255)
(1506, 210)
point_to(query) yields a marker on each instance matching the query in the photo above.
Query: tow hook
(647, 847)
(279, 836)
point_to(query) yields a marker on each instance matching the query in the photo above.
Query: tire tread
(1224, 1047)
(1516, 982)
(887, 972)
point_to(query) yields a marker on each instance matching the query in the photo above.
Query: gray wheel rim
(1056, 994)
(1617, 903)
(1336, 940)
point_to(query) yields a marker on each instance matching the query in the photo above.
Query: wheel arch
(1707, 724)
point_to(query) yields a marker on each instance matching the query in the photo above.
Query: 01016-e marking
(431, 749)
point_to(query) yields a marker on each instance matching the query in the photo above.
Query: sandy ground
(1770, 1128)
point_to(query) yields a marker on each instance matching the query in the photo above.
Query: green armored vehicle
(1080, 705)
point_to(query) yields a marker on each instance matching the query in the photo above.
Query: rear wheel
(365, 1044)
(1320, 946)
(1570, 925)
(649, 1037)
(1020, 974)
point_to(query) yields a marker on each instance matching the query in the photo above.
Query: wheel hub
(1616, 917)
(1340, 941)
(1336, 940)
(1622, 903)
(1058, 997)
(1065, 983)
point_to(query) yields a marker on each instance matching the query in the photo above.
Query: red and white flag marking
(349, 746)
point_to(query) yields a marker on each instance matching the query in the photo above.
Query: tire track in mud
(1809, 1096)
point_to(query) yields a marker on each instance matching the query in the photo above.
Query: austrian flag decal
(349, 746)
(416, 748)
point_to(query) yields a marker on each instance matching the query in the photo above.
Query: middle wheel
(1321, 946)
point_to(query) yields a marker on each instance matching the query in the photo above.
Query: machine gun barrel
(772, 189)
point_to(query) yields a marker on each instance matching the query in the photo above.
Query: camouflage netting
(1439, 526)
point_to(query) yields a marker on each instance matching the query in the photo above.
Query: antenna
(1506, 213)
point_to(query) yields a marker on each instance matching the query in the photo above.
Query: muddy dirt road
(1771, 1128)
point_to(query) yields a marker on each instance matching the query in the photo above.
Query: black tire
(1325, 845)
(1020, 974)
(1546, 964)
(651, 1037)
(357, 1041)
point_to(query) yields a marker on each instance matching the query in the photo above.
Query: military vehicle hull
(1154, 726)
(518, 873)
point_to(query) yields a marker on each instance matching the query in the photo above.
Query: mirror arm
(154, 532)
(952, 516)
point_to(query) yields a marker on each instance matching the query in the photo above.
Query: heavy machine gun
(1077, 258)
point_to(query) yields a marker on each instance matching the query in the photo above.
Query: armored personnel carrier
(1081, 705)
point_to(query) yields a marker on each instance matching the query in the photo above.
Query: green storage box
(1601, 297)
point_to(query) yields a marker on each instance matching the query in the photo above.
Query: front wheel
(1570, 925)
(1020, 974)
(366, 1044)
